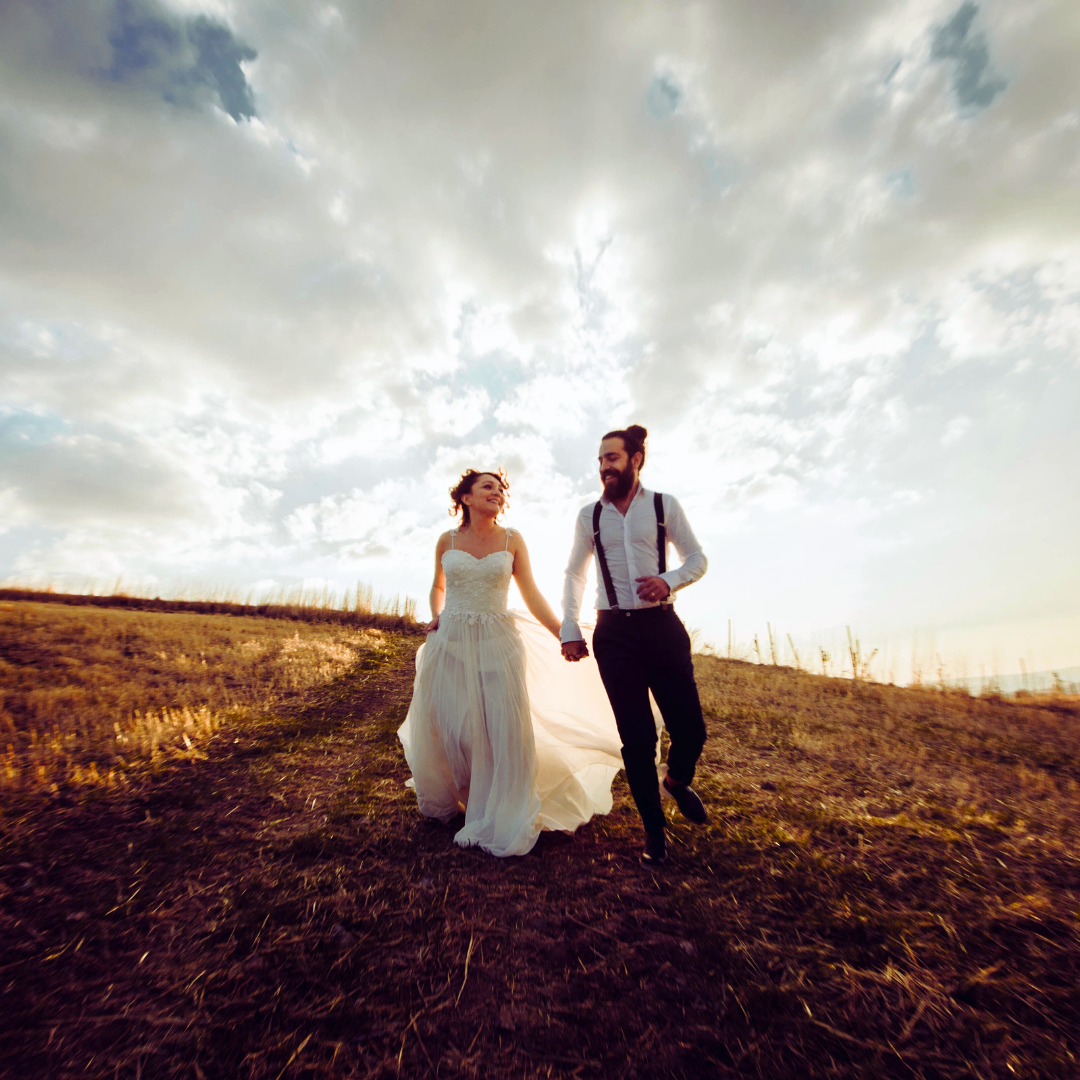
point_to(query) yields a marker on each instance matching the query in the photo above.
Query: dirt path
(282, 906)
(281, 910)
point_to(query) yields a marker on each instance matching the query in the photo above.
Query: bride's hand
(432, 626)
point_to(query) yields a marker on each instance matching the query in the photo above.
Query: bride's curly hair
(465, 485)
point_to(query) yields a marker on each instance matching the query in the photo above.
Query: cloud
(972, 81)
(80, 478)
(955, 430)
(269, 306)
(144, 47)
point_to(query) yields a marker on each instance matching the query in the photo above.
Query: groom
(640, 642)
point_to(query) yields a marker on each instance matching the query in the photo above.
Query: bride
(500, 726)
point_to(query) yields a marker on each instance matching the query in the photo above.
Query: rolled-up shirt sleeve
(574, 584)
(694, 563)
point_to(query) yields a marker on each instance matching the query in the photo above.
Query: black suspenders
(661, 546)
(613, 603)
(661, 531)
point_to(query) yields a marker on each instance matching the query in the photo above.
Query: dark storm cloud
(974, 85)
(179, 57)
(186, 60)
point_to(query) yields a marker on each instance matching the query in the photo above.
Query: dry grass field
(87, 694)
(889, 884)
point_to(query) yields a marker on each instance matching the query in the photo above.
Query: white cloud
(955, 430)
(825, 253)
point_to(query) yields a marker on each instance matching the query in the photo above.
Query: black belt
(606, 614)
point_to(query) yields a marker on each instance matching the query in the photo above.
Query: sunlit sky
(273, 274)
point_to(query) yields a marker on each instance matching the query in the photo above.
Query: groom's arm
(694, 563)
(574, 585)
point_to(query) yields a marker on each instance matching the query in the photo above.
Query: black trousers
(643, 650)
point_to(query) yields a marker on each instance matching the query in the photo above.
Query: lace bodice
(477, 586)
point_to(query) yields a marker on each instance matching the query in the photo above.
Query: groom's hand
(652, 589)
(575, 650)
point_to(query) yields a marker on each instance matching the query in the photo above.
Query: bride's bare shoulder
(443, 543)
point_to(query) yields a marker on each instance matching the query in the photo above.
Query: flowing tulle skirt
(503, 728)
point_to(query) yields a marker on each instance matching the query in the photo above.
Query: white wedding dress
(501, 726)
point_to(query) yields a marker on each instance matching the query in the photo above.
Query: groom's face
(618, 470)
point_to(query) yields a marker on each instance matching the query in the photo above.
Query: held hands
(653, 589)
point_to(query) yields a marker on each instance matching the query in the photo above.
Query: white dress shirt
(630, 549)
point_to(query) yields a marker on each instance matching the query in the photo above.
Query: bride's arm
(534, 601)
(437, 596)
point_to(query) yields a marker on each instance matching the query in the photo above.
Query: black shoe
(655, 853)
(690, 806)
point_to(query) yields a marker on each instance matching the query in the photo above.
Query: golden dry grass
(359, 606)
(918, 752)
(87, 694)
(888, 886)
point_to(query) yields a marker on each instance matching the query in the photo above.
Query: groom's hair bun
(633, 438)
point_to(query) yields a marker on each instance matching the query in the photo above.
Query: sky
(273, 274)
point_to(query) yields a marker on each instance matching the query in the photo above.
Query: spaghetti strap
(507, 545)
(452, 531)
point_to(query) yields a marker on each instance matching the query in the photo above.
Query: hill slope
(887, 885)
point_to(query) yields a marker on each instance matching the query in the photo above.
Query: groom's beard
(623, 483)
